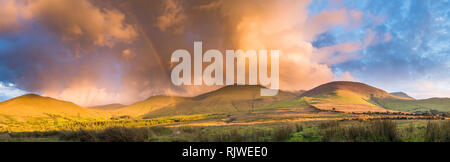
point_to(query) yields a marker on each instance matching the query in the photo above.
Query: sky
(94, 52)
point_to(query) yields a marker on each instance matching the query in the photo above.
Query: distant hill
(434, 105)
(151, 104)
(108, 107)
(235, 98)
(401, 94)
(34, 106)
(347, 97)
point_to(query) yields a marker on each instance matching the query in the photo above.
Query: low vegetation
(57, 124)
(331, 131)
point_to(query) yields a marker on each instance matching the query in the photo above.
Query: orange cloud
(81, 23)
(285, 25)
(172, 19)
(136, 66)
(9, 13)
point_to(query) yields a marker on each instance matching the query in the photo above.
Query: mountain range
(339, 96)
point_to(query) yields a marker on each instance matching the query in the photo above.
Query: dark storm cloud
(97, 52)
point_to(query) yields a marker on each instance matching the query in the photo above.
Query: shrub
(80, 135)
(307, 135)
(121, 134)
(283, 133)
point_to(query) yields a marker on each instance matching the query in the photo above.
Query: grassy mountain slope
(33, 106)
(347, 97)
(151, 104)
(425, 105)
(227, 99)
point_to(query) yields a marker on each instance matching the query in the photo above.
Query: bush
(121, 134)
(307, 135)
(283, 133)
(81, 136)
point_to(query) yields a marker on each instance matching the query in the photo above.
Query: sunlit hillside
(347, 97)
(32, 105)
(224, 100)
(224, 106)
(108, 107)
(434, 105)
(151, 104)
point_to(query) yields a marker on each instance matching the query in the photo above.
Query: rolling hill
(434, 105)
(151, 104)
(224, 100)
(30, 106)
(339, 96)
(348, 97)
